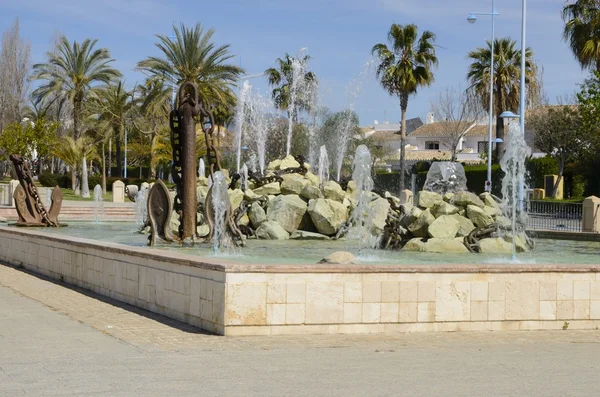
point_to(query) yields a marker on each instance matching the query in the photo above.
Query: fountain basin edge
(229, 298)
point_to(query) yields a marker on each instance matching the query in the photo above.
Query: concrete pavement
(57, 341)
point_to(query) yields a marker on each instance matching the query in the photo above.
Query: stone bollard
(591, 215)
(538, 194)
(13, 186)
(118, 192)
(406, 197)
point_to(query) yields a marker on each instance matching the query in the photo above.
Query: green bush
(47, 179)
(537, 168)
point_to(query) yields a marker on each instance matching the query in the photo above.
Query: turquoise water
(311, 251)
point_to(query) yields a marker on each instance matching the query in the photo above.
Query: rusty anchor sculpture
(183, 170)
(29, 206)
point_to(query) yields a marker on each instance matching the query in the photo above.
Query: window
(432, 145)
(482, 147)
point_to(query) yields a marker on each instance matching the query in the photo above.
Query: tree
(14, 69)
(192, 57)
(458, 112)
(28, 137)
(74, 152)
(70, 72)
(506, 83)
(582, 31)
(558, 133)
(405, 67)
(588, 99)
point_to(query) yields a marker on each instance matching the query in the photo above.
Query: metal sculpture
(29, 206)
(160, 209)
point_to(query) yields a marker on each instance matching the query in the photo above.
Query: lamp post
(472, 18)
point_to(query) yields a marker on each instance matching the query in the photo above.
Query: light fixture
(472, 18)
(507, 114)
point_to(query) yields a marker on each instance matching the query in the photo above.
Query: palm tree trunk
(77, 106)
(109, 155)
(103, 169)
(85, 188)
(118, 145)
(403, 107)
(73, 179)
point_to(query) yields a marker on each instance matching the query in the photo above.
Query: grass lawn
(68, 194)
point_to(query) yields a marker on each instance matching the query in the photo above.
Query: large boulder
(465, 199)
(429, 199)
(288, 162)
(445, 246)
(271, 230)
(304, 235)
(333, 191)
(201, 192)
(412, 214)
(327, 215)
(521, 242)
(488, 200)
(203, 230)
(294, 184)
(256, 214)
(444, 208)
(443, 227)
(340, 258)
(314, 180)
(311, 192)
(503, 221)
(478, 216)
(288, 211)
(492, 211)
(268, 189)
(274, 165)
(465, 225)
(415, 245)
(235, 197)
(419, 227)
(202, 181)
(495, 245)
(380, 208)
(250, 195)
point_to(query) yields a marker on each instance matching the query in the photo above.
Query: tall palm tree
(71, 71)
(404, 67)
(281, 78)
(74, 153)
(507, 74)
(192, 57)
(111, 105)
(582, 31)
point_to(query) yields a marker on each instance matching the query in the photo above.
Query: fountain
(98, 203)
(141, 208)
(446, 177)
(323, 166)
(296, 87)
(220, 206)
(360, 234)
(239, 120)
(513, 165)
(258, 125)
(313, 141)
(201, 169)
(244, 179)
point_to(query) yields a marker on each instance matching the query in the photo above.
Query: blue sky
(339, 35)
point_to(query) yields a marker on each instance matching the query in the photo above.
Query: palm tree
(111, 105)
(582, 31)
(507, 74)
(70, 73)
(192, 57)
(404, 68)
(74, 152)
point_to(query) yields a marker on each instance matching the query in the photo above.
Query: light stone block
(276, 293)
(453, 301)
(353, 292)
(246, 304)
(389, 312)
(496, 311)
(352, 313)
(206, 310)
(426, 291)
(426, 312)
(371, 292)
(564, 310)
(296, 293)
(295, 313)
(390, 292)
(581, 310)
(548, 291)
(479, 292)
(581, 290)
(595, 290)
(276, 314)
(595, 310)
(407, 312)
(371, 312)
(497, 291)
(547, 310)
(564, 290)
(479, 310)
(408, 291)
(522, 300)
(324, 303)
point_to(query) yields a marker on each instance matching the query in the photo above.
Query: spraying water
(313, 138)
(244, 180)
(258, 125)
(297, 86)
(201, 168)
(220, 201)
(323, 166)
(141, 207)
(513, 165)
(253, 161)
(98, 203)
(239, 119)
(349, 121)
(361, 220)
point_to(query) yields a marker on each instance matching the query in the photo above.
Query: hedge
(64, 181)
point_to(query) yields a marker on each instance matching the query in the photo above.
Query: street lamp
(472, 18)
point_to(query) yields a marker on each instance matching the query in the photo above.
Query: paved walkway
(57, 341)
